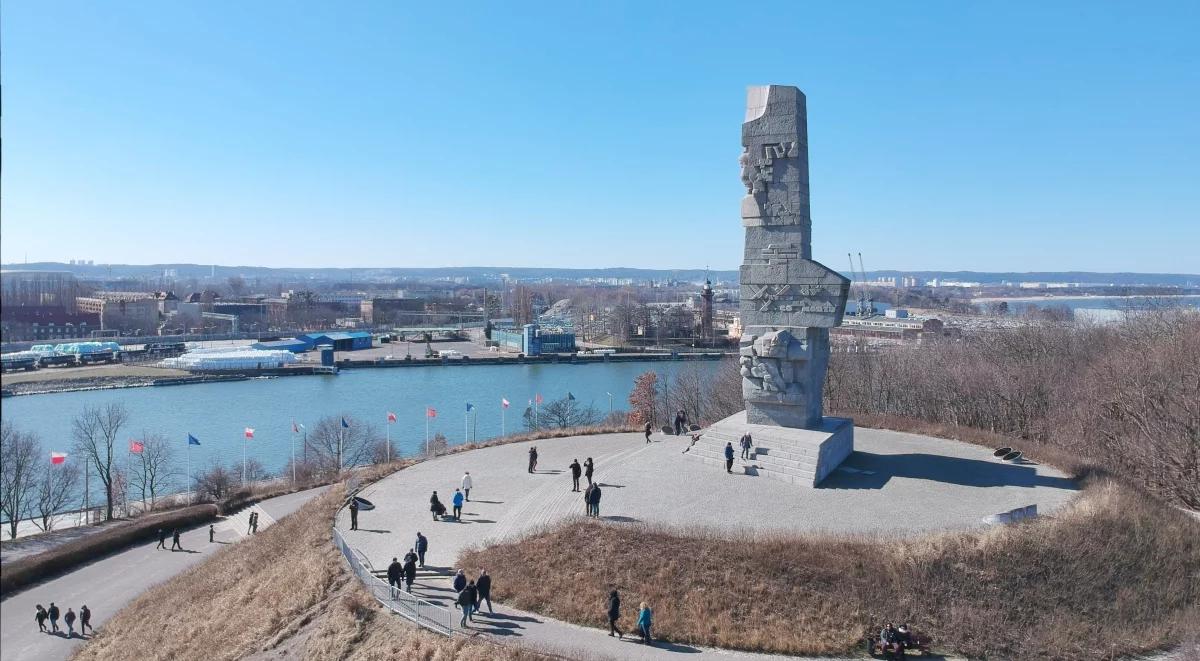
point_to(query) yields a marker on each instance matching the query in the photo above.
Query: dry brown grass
(284, 593)
(1117, 572)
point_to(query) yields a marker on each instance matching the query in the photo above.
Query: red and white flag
(58, 457)
(391, 417)
(503, 402)
(537, 398)
(249, 432)
(136, 447)
(430, 412)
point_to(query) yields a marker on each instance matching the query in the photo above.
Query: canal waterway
(218, 413)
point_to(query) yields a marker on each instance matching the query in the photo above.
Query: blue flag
(192, 440)
(470, 407)
(570, 397)
(345, 424)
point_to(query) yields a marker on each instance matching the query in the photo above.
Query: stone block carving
(788, 301)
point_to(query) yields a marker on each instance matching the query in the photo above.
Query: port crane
(866, 307)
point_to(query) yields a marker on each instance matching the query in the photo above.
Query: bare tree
(18, 460)
(154, 468)
(216, 481)
(643, 397)
(340, 442)
(95, 432)
(563, 413)
(57, 485)
(437, 445)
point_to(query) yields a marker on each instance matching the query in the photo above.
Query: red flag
(537, 398)
(58, 457)
(430, 412)
(503, 402)
(136, 447)
(249, 432)
(391, 417)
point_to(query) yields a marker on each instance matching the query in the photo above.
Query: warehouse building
(340, 341)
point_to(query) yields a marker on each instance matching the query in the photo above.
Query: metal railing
(417, 610)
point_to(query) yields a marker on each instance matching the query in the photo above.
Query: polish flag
(430, 412)
(391, 417)
(136, 447)
(249, 432)
(58, 457)
(537, 398)
(503, 402)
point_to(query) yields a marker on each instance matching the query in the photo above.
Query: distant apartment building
(392, 311)
(126, 312)
(40, 305)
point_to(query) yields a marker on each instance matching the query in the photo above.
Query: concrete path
(900, 483)
(110, 583)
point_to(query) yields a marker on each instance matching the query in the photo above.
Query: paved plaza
(894, 483)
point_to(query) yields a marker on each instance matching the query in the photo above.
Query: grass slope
(284, 593)
(1116, 572)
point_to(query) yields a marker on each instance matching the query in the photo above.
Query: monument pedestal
(801, 456)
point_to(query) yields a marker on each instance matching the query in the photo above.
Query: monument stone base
(801, 456)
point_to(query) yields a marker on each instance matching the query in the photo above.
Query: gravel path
(110, 583)
(903, 483)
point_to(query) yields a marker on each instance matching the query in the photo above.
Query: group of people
(587, 469)
(406, 572)
(252, 528)
(644, 621)
(461, 495)
(471, 594)
(893, 640)
(746, 442)
(42, 615)
(175, 545)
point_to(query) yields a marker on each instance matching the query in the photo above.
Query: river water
(218, 413)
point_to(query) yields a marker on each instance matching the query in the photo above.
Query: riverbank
(105, 377)
(1051, 298)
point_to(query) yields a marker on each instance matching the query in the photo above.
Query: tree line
(1125, 395)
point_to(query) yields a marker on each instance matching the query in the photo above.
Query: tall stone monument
(788, 302)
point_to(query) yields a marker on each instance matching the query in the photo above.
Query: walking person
(250, 524)
(614, 614)
(175, 540)
(746, 444)
(466, 599)
(162, 539)
(729, 457)
(354, 514)
(576, 471)
(53, 615)
(410, 574)
(648, 426)
(483, 586)
(85, 620)
(211, 532)
(532, 458)
(422, 546)
(695, 438)
(594, 501)
(460, 582)
(644, 622)
(679, 418)
(587, 500)
(393, 575)
(467, 483)
(254, 523)
(69, 618)
(40, 616)
(458, 501)
(436, 507)
(589, 467)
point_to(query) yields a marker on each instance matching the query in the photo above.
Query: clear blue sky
(944, 135)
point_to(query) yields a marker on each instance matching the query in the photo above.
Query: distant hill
(482, 274)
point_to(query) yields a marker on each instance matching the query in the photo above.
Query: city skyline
(950, 138)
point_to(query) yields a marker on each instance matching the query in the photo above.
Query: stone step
(774, 467)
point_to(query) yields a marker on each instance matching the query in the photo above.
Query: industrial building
(340, 341)
(534, 340)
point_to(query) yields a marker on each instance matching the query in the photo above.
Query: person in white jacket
(466, 485)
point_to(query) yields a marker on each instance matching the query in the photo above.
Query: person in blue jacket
(458, 501)
(644, 622)
(729, 457)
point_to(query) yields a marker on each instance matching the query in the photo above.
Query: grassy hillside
(1114, 573)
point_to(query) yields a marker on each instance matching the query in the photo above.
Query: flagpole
(426, 432)
(293, 454)
(467, 427)
(388, 450)
(475, 426)
(503, 410)
(243, 459)
(189, 475)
